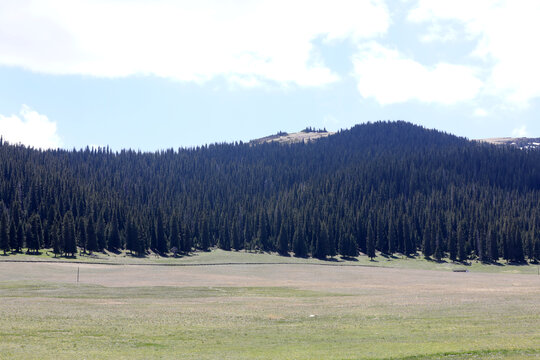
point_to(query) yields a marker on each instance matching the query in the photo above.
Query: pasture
(265, 311)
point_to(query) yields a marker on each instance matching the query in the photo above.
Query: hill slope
(522, 143)
(394, 187)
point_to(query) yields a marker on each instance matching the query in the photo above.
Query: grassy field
(264, 311)
(241, 257)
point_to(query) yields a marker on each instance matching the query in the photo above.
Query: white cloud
(480, 112)
(506, 34)
(247, 42)
(390, 77)
(440, 33)
(30, 128)
(520, 132)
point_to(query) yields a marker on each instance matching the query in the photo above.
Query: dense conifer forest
(390, 187)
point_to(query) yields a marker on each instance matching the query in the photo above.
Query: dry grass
(290, 311)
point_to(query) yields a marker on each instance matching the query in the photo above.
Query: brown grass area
(350, 280)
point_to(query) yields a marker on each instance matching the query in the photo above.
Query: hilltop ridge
(305, 136)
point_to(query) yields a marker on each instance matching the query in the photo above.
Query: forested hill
(390, 186)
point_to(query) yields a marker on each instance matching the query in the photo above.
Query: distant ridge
(522, 142)
(306, 135)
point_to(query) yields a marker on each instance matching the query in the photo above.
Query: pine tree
(452, 244)
(370, 241)
(4, 230)
(20, 237)
(321, 243)
(113, 238)
(299, 244)
(81, 235)
(426, 243)
(139, 243)
(348, 246)
(101, 235)
(57, 244)
(392, 236)
(493, 251)
(161, 240)
(91, 236)
(283, 241)
(174, 237)
(132, 236)
(69, 240)
(438, 247)
(34, 234)
(13, 236)
(518, 256)
(479, 245)
(205, 235)
(461, 240)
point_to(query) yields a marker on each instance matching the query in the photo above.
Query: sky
(160, 74)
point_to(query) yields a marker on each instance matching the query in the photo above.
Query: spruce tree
(283, 241)
(461, 240)
(452, 246)
(4, 230)
(132, 236)
(174, 234)
(113, 235)
(57, 244)
(13, 236)
(493, 251)
(91, 236)
(426, 242)
(321, 243)
(370, 241)
(438, 247)
(299, 244)
(81, 235)
(20, 237)
(69, 239)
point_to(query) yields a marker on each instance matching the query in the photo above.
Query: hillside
(304, 136)
(522, 143)
(387, 186)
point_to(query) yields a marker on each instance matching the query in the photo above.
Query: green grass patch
(66, 321)
(217, 256)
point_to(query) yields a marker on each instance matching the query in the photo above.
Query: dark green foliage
(320, 250)
(438, 254)
(391, 187)
(283, 241)
(91, 236)
(113, 235)
(20, 237)
(81, 234)
(161, 240)
(174, 235)
(462, 235)
(34, 234)
(427, 250)
(4, 230)
(370, 240)
(347, 246)
(132, 236)
(57, 238)
(299, 244)
(13, 236)
(69, 237)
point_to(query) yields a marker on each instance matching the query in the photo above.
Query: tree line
(388, 187)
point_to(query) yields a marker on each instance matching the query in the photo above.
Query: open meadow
(265, 311)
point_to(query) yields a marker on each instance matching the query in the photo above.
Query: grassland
(264, 311)
(242, 257)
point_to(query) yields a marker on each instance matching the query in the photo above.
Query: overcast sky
(154, 74)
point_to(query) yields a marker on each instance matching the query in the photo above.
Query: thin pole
(78, 274)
